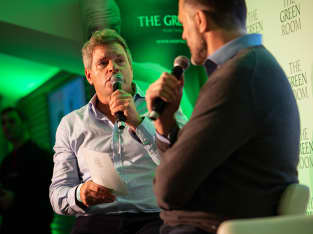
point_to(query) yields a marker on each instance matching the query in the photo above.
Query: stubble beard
(199, 53)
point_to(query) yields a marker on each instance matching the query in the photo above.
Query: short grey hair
(99, 38)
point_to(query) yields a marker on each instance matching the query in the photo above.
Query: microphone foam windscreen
(181, 61)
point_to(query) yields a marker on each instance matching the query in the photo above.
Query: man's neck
(218, 38)
(103, 107)
(18, 143)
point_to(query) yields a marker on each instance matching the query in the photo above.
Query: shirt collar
(231, 48)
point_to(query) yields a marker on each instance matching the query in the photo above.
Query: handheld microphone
(117, 80)
(181, 63)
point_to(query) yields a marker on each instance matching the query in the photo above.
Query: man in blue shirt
(93, 129)
(239, 150)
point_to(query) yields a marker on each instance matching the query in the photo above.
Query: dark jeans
(181, 229)
(142, 223)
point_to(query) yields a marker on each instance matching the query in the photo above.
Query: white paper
(102, 171)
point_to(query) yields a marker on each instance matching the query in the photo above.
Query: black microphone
(117, 80)
(181, 63)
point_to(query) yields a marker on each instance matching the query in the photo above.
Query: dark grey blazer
(240, 148)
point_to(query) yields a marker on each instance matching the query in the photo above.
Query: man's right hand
(170, 90)
(93, 194)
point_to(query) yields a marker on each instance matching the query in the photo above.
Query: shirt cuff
(145, 132)
(73, 202)
(78, 193)
(162, 138)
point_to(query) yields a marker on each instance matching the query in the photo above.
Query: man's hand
(6, 199)
(122, 101)
(170, 90)
(93, 194)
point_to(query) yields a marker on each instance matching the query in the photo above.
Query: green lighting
(19, 77)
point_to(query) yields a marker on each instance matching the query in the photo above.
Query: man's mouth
(108, 80)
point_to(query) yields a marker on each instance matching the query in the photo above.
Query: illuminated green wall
(153, 34)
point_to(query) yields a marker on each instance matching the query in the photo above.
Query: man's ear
(202, 22)
(88, 76)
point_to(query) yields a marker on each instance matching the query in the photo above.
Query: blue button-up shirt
(231, 48)
(135, 156)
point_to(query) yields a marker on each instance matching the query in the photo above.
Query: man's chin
(197, 61)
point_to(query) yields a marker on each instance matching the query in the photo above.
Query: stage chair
(291, 217)
(294, 200)
(289, 224)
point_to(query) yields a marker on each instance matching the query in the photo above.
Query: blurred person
(94, 127)
(25, 175)
(240, 148)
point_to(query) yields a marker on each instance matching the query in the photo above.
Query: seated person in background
(94, 127)
(25, 175)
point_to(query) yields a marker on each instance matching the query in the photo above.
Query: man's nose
(113, 67)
